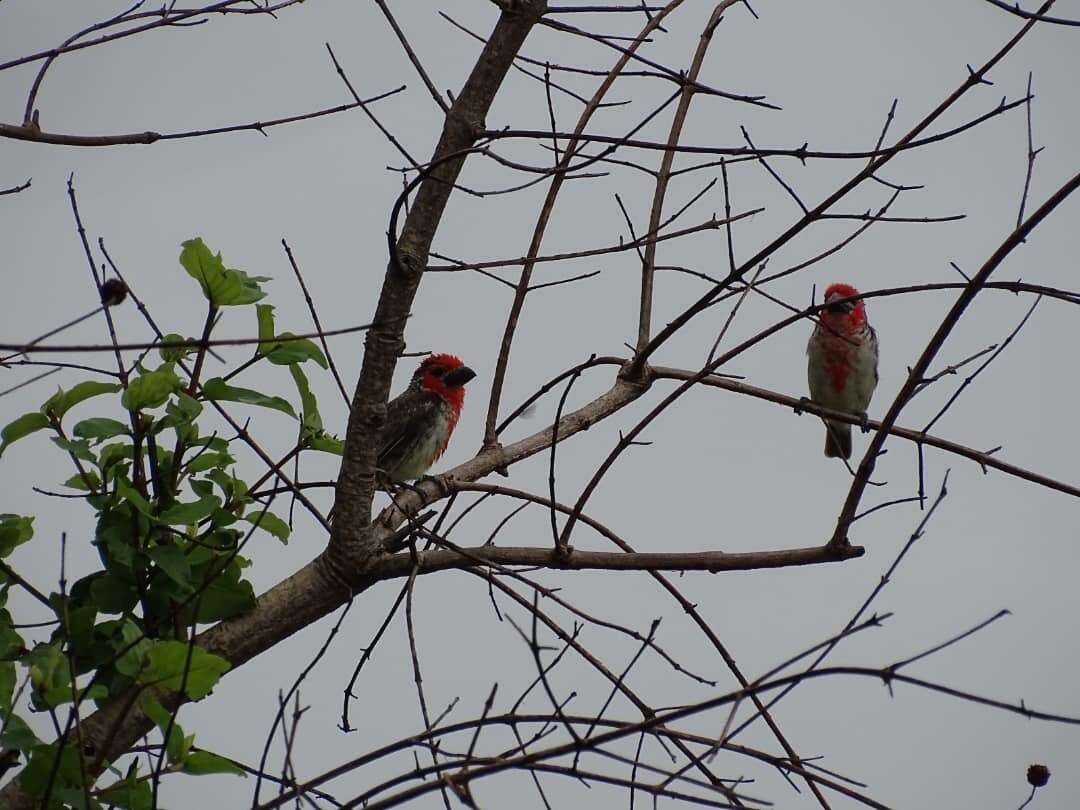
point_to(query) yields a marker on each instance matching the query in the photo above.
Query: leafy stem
(211, 314)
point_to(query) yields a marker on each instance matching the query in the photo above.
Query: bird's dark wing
(406, 416)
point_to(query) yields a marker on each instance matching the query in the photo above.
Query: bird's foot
(864, 422)
(397, 487)
(410, 486)
(799, 408)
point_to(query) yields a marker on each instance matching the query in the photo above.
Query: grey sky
(724, 472)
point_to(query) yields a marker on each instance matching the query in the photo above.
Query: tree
(174, 471)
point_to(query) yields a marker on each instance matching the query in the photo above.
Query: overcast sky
(723, 472)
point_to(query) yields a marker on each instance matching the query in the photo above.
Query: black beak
(458, 376)
(840, 307)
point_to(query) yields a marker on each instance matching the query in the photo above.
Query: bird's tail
(837, 440)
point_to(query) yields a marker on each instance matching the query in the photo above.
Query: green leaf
(113, 537)
(226, 595)
(63, 694)
(223, 601)
(62, 401)
(170, 354)
(12, 645)
(284, 349)
(99, 427)
(151, 389)
(295, 350)
(112, 453)
(172, 561)
(135, 646)
(215, 443)
(131, 794)
(77, 621)
(14, 531)
(235, 489)
(21, 428)
(185, 514)
(308, 404)
(217, 389)
(204, 762)
(47, 663)
(221, 540)
(126, 491)
(222, 518)
(264, 313)
(208, 461)
(48, 673)
(38, 773)
(221, 285)
(186, 408)
(80, 448)
(7, 686)
(327, 444)
(175, 748)
(18, 734)
(181, 414)
(78, 481)
(269, 522)
(113, 594)
(202, 488)
(167, 662)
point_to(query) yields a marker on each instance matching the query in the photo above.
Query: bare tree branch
(918, 370)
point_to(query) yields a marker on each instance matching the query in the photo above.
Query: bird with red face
(421, 419)
(843, 363)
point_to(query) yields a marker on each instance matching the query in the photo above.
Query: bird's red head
(843, 316)
(445, 375)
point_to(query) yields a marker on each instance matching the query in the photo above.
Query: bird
(842, 366)
(421, 419)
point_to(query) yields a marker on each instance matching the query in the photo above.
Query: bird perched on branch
(421, 419)
(843, 361)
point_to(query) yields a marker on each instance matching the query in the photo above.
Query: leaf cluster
(172, 515)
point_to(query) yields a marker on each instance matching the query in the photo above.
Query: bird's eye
(438, 371)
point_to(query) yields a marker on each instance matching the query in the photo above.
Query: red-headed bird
(843, 366)
(421, 419)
